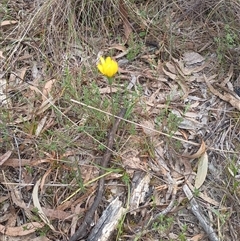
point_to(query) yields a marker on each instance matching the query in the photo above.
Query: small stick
(201, 218)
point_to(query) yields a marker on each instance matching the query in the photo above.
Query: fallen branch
(82, 230)
(197, 212)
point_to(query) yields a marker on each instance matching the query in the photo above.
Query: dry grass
(48, 56)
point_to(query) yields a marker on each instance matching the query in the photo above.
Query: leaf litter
(179, 96)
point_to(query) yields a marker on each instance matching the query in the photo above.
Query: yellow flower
(108, 66)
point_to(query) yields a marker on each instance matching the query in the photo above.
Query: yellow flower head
(108, 66)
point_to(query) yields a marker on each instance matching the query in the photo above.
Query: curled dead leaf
(37, 205)
(199, 153)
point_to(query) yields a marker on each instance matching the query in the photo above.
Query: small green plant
(29, 169)
(134, 49)
(173, 122)
(222, 216)
(42, 232)
(153, 203)
(230, 37)
(147, 147)
(225, 42)
(4, 10)
(163, 224)
(182, 235)
(35, 216)
(233, 171)
(196, 192)
(126, 179)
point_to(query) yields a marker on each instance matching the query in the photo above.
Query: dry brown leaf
(131, 161)
(171, 68)
(124, 14)
(47, 89)
(169, 74)
(22, 230)
(118, 47)
(14, 162)
(56, 214)
(187, 71)
(28, 237)
(192, 58)
(77, 211)
(5, 157)
(37, 205)
(43, 181)
(233, 101)
(202, 170)
(22, 72)
(197, 237)
(40, 126)
(11, 222)
(149, 124)
(8, 22)
(190, 114)
(199, 153)
(134, 163)
(226, 96)
(182, 83)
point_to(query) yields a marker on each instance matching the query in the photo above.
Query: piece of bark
(108, 222)
(139, 190)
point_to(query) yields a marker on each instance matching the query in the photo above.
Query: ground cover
(151, 154)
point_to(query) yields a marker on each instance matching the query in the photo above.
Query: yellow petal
(100, 68)
(108, 60)
(102, 60)
(108, 66)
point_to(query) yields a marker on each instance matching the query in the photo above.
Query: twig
(201, 218)
(82, 230)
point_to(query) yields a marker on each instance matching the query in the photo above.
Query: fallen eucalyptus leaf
(202, 170)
